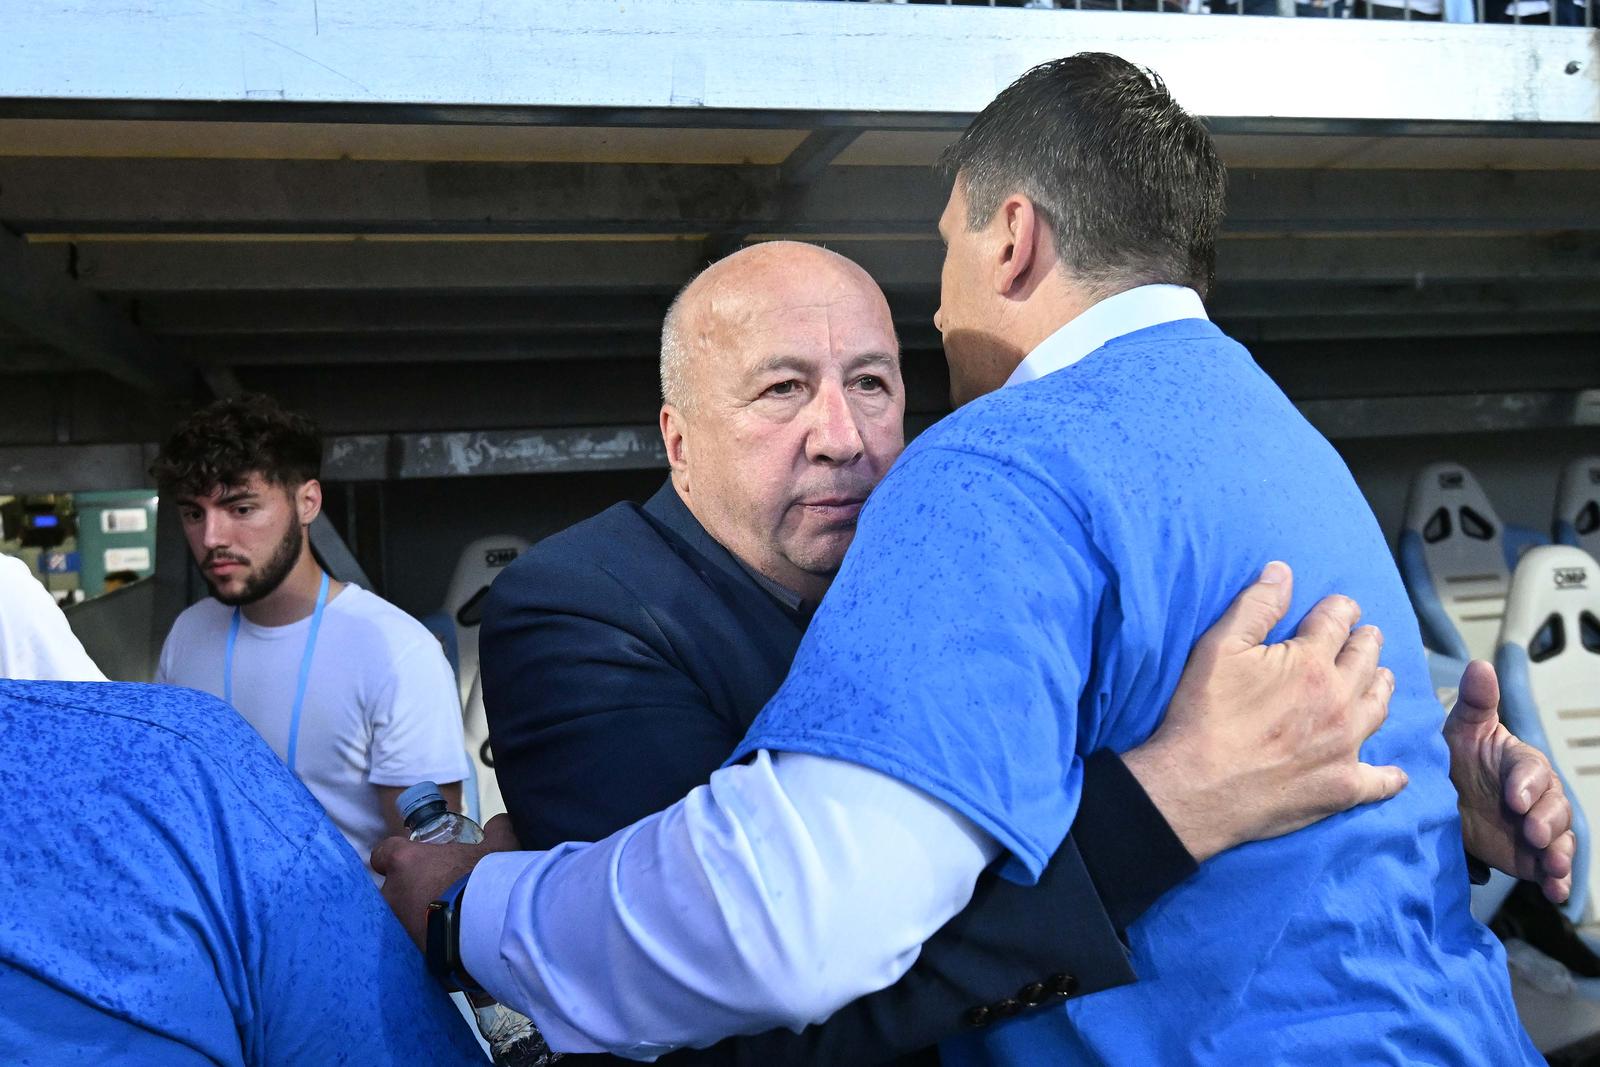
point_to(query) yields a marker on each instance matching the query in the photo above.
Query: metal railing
(1572, 13)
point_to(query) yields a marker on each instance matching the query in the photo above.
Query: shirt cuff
(485, 905)
(1131, 852)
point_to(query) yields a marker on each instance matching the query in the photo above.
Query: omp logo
(1571, 577)
(499, 557)
(1452, 480)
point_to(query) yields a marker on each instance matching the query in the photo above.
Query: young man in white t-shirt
(350, 691)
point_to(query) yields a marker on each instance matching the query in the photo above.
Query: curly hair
(228, 440)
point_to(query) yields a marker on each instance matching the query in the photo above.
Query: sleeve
(340, 982)
(771, 896)
(954, 649)
(592, 723)
(36, 643)
(1012, 949)
(416, 721)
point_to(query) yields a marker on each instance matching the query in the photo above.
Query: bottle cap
(417, 797)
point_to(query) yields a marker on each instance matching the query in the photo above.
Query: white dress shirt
(35, 641)
(775, 894)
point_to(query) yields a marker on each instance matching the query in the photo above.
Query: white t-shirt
(380, 708)
(36, 644)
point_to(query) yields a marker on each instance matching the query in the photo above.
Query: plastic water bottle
(513, 1039)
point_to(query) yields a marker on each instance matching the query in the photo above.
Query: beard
(262, 582)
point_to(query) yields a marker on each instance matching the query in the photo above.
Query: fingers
(1554, 868)
(1357, 660)
(1480, 687)
(1372, 709)
(1371, 784)
(499, 836)
(1549, 817)
(1477, 712)
(383, 855)
(1329, 624)
(1254, 612)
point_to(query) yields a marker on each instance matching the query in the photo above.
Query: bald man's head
(707, 312)
(782, 405)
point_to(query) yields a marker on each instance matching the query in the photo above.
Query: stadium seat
(477, 567)
(1456, 558)
(1578, 505)
(1549, 666)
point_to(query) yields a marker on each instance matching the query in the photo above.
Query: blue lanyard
(305, 667)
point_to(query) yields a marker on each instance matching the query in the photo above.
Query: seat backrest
(1453, 559)
(1578, 505)
(475, 725)
(476, 568)
(1549, 665)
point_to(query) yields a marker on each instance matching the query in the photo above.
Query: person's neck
(808, 587)
(1050, 310)
(296, 596)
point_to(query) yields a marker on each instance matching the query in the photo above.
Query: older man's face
(797, 413)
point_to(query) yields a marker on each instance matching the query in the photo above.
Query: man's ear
(308, 501)
(1020, 228)
(674, 435)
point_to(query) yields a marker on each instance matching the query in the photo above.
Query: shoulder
(205, 614)
(376, 618)
(167, 737)
(595, 559)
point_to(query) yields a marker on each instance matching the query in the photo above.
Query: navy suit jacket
(625, 657)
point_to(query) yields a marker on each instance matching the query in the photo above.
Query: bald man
(624, 658)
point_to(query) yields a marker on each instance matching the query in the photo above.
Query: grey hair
(675, 350)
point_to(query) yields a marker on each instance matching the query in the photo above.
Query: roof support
(39, 298)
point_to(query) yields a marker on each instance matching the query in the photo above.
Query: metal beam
(299, 266)
(811, 157)
(662, 266)
(39, 298)
(493, 452)
(74, 468)
(377, 457)
(423, 55)
(90, 196)
(1468, 414)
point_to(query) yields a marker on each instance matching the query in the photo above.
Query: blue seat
(475, 569)
(1456, 557)
(1549, 666)
(1577, 520)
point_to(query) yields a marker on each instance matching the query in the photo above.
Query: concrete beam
(41, 300)
(95, 196)
(704, 56)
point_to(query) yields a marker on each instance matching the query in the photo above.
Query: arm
(596, 725)
(416, 729)
(338, 982)
(388, 794)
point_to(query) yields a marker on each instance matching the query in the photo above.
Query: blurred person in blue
(1023, 589)
(173, 896)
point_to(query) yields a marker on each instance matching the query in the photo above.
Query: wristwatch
(443, 940)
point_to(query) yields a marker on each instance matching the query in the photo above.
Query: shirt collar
(1131, 310)
(794, 602)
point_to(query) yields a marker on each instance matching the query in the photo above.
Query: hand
(1260, 740)
(415, 874)
(1514, 814)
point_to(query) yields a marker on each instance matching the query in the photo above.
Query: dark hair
(1129, 181)
(228, 440)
